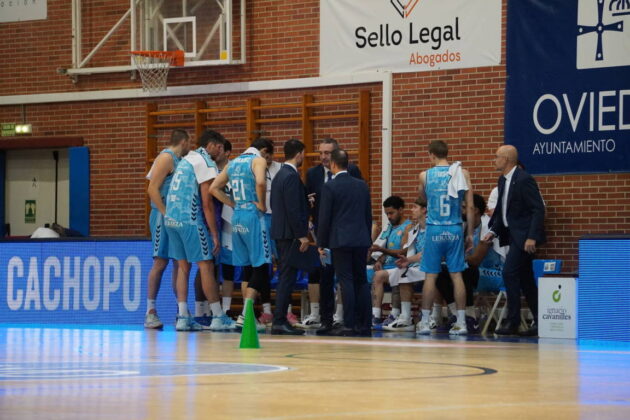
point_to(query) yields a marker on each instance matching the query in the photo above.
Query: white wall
(30, 175)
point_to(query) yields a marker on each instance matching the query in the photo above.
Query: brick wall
(463, 107)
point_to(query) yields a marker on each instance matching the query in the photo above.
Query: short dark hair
(340, 158)
(439, 149)
(211, 136)
(227, 146)
(178, 135)
(263, 143)
(292, 147)
(480, 203)
(395, 202)
(421, 202)
(330, 140)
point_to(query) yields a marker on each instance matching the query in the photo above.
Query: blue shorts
(226, 256)
(272, 243)
(250, 238)
(190, 242)
(443, 243)
(159, 236)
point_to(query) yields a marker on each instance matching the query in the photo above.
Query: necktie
(329, 176)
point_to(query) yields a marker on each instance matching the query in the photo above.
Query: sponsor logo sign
(408, 35)
(568, 87)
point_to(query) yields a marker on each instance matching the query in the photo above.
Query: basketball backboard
(210, 32)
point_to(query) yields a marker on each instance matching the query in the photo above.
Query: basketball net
(153, 67)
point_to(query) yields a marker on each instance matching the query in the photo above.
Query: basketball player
(160, 177)
(407, 270)
(189, 213)
(444, 187)
(388, 247)
(212, 145)
(246, 175)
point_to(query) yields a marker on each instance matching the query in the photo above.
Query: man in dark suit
(323, 293)
(518, 221)
(289, 223)
(345, 224)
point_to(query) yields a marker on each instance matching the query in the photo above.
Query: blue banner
(568, 87)
(82, 282)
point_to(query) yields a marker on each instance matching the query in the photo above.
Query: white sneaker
(310, 322)
(399, 324)
(186, 323)
(240, 321)
(458, 329)
(152, 321)
(222, 323)
(423, 328)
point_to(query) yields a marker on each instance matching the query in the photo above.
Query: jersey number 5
(176, 181)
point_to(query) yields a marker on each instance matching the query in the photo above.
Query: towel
(252, 151)
(457, 182)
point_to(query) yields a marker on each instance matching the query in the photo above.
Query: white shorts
(405, 275)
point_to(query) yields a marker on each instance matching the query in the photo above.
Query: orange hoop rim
(177, 56)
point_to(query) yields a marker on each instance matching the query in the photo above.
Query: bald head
(509, 152)
(506, 158)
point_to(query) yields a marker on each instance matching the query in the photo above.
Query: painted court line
(384, 343)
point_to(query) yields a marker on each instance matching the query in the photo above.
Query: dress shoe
(365, 332)
(285, 329)
(325, 329)
(507, 330)
(343, 332)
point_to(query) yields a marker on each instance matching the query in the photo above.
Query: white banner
(18, 10)
(557, 307)
(408, 35)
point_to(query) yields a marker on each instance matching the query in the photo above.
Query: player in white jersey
(444, 187)
(189, 213)
(160, 177)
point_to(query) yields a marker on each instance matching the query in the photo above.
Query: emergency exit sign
(8, 129)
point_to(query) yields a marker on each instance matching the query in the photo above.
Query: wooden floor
(81, 373)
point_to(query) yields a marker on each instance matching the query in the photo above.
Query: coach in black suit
(345, 224)
(316, 177)
(518, 221)
(289, 224)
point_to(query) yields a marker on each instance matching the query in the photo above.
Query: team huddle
(218, 213)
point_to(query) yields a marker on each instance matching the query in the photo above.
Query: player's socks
(376, 312)
(315, 309)
(405, 310)
(150, 305)
(182, 309)
(216, 308)
(395, 312)
(267, 308)
(461, 317)
(226, 303)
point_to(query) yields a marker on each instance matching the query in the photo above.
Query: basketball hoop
(154, 66)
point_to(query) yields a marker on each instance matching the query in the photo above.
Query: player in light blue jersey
(386, 250)
(246, 176)
(474, 258)
(405, 272)
(212, 146)
(160, 177)
(444, 187)
(189, 213)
